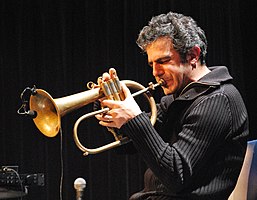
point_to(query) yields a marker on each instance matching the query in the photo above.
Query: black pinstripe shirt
(197, 147)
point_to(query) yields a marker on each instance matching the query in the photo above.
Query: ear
(193, 55)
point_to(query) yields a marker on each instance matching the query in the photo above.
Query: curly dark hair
(183, 30)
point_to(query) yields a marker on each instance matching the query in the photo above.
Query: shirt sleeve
(201, 130)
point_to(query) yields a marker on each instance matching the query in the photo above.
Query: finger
(108, 124)
(112, 73)
(109, 103)
(125, 90)
(104, 117)
(106, 76)
(99, 116)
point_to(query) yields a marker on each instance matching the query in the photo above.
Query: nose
(157, 70)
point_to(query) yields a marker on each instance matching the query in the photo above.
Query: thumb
(109, 103)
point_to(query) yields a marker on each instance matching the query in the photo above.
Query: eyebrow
(160, 60)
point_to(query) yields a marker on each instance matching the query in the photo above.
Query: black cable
(61, 160)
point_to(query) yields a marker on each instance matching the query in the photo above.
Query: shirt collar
(213, 79)
(218, 74)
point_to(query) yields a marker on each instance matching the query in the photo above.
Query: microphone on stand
(79, 185)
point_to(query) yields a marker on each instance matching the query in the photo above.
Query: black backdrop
(61, 45)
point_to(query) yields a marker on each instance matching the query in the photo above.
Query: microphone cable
(61, 162)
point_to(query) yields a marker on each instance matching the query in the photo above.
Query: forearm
(156, 153)
(200, 133)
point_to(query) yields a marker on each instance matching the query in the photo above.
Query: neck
(196, 73)
(199, 71)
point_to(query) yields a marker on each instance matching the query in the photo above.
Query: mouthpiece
(162, 82)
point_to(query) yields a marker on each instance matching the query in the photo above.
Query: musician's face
(166, 64)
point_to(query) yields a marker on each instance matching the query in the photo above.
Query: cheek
(169, 89)
(172, 86)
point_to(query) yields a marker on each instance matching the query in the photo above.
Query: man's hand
(120, 111)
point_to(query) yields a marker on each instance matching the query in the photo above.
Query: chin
(167, 91)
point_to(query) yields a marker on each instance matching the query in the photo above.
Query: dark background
(61, 45)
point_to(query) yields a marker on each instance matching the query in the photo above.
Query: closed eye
(162, 60)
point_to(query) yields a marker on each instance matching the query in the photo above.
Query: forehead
(159, 47)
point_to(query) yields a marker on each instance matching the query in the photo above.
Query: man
(197, 147)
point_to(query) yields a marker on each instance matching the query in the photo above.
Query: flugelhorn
(119, 139)
(49, 111)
